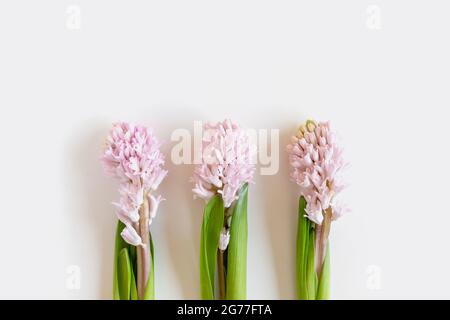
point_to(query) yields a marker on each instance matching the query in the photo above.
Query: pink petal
(131, 236)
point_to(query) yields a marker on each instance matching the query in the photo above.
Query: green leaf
(311, 276)
(119, 245)
(124, 274)
(132, 254)
(133, 288)
(323, 291)
(150, 289)
(306, 274)
(131, 251)
(302, 249)
(213, 217)
(236, 286)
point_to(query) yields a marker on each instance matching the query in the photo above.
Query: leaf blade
(323, 290)
(311, 276)
(150, 289)
(119, 244)
(209, 240)
(124, 274)
(236, 285)
(302, 249)
(133, 288)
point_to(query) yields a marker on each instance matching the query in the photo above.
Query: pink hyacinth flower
(317, 166)
(227, 162)
(132, 155)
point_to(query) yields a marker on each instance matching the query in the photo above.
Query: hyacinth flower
(317, 165)
(132, 155)
(221, 179)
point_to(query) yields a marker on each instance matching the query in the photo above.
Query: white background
(382, 80)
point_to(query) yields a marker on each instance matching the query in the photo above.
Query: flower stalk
(221, 273)
(143, 251)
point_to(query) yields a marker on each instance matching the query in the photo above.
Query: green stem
(221, 273)
(143, 252)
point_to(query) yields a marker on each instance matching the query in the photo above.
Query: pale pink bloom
(153, 205)
(130, 235)
(132, 155)
(131, 199)
(317, 165)
(227, 162)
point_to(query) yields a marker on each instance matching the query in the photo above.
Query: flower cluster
(133, 156)
(317, 166)
(227, 162)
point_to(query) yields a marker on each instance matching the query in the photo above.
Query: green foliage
(310, 286)
(213, 218)
(124, 274)
(236, 282)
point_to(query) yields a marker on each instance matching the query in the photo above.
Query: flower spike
(317, 166)
(132, 155)
(221, 179)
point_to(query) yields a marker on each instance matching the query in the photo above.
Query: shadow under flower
(95, 218)
(281, 218)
